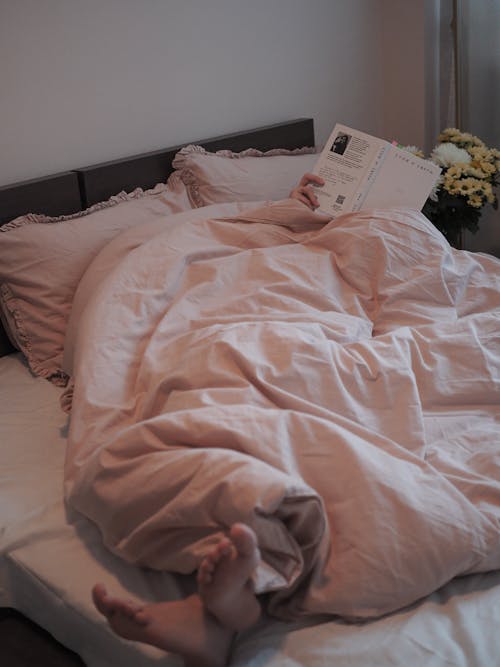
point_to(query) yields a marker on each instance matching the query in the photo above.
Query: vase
(455, 237)
(452, 215)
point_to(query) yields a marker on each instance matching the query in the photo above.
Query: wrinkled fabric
(333, 384)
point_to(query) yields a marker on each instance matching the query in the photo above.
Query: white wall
(84, 81)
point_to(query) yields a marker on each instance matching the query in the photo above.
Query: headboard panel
(58, 194)
(71, 191)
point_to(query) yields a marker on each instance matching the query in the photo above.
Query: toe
(244, 539)
(142, 617)
(204, 576)
(128, 608)
(222, 550)
(207, 566)
(101, 599)
(210, 563)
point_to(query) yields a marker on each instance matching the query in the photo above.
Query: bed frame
(75, 190)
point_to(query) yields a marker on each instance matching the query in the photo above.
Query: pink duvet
(335, 385)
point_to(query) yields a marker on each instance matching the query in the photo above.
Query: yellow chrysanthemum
(476, 141)
(480, 153)
(469, 172)
(488, 192)
(468, 186)
(455, 171)
(449, 132)
(462, 139)
(476, 172)
(475, 200)
(451, 186)
(488, 167)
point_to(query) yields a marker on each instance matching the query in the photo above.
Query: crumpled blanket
(333, 384)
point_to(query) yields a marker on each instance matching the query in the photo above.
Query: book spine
(370, 177)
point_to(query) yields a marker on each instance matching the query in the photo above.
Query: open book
(361, 171)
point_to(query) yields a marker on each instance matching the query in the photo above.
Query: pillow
(212, 178)
(43, 259)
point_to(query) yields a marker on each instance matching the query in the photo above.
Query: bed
(416, 340)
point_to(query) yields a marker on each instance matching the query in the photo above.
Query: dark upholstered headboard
(75, 190)
(58, 194)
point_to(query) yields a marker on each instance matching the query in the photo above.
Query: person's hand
(305, 193)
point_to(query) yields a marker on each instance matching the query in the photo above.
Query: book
(362, 172)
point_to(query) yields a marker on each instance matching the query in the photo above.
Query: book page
(347, 163)
(403, 179)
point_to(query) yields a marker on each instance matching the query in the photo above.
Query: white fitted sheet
(50, 560)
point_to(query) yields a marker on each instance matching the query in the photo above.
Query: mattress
(50, 558)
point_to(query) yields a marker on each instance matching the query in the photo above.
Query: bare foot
(180, 626)
(224, 582)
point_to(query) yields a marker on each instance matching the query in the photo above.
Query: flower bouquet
(469, 174)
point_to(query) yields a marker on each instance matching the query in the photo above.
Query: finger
(306, 195)
(311, 195)
(308, 178)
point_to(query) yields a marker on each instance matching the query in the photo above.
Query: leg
(201, 627)
(224, 581)
(184, 627)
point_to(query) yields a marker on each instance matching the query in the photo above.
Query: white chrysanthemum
(447, 154)
(434, 194)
